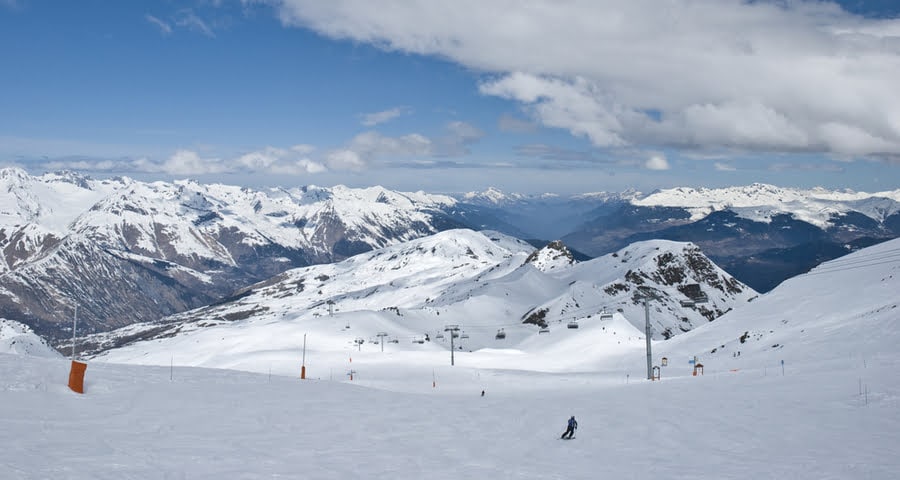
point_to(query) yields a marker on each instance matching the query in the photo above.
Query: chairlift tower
(452, 329)
(647, 336)
(647, 296)
(382, 335)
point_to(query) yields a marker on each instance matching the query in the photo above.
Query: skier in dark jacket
(570, 430)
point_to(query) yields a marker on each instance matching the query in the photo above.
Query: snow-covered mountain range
(126, 251)
(760, 233)
(485, 283)
(761, 202)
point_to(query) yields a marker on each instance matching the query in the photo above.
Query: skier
(570, 430)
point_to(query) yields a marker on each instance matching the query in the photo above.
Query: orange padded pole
(76, 376)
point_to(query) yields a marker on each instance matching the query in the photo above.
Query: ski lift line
(854, 267)
(866, 256)
(572, 313)
(858, 261)
(836, 265)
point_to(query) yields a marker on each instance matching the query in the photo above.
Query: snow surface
(830, 410)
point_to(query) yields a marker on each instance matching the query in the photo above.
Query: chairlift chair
(465, 335)
(572, 324)
(604, 315)
(501, 334)
(544, 330)
(439, 335)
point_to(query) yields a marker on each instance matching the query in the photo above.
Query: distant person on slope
(570, 430)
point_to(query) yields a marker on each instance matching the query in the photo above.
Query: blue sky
(560, 97)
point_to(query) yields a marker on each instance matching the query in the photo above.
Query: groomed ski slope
(831, 411)
(138, 422)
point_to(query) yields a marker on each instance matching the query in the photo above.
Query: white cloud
(344, 160)
(575, 106)
(372, 119)
(303, 149)
(188, 162)
(186, 18)
(81, 164)
(280, 161)
(464, 132)
(371, 144)
(164, 27)
(723, 167)
(753, 76)
(657, 162)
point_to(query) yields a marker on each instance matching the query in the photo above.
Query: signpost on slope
(303, 363)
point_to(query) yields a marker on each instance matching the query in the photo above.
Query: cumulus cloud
(372, 119)
(294, 161)
(371, 146)
(657, 162)
(798, 76)
(723, 167)
(188, 162)
(279, 161)
(344, 159)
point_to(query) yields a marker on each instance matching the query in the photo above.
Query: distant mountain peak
(491, 196)
(552, 256)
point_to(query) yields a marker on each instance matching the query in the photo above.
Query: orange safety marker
(76, 376)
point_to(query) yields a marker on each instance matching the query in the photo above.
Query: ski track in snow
(136, 422)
